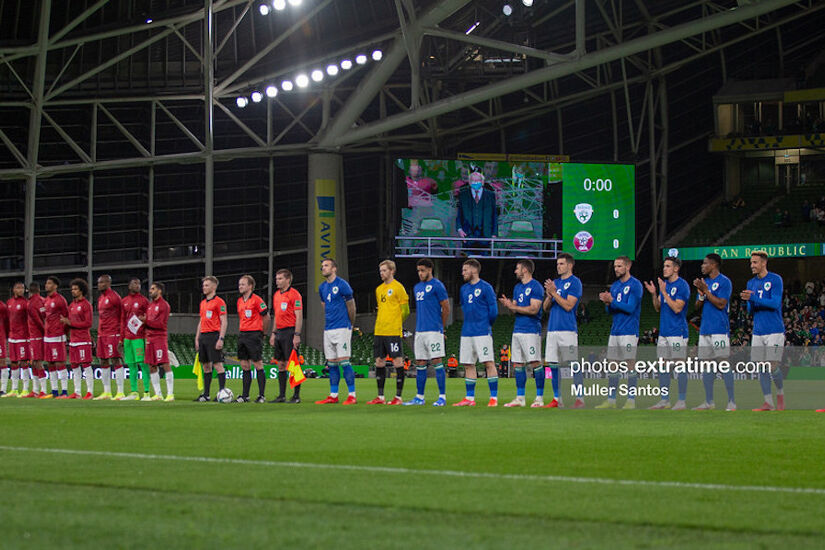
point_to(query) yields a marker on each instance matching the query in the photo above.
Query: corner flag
(296, 375)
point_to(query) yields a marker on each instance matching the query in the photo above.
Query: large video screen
(506, 209)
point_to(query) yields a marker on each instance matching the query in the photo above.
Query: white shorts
(475, 348)
(622, 347)
(767, 347)
(671, 347)
(561, 345)
(525, 348)
(337, 343)
(713, 346)
(428, 345)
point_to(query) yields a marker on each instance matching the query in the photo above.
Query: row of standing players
(134, 330)
(133, 333)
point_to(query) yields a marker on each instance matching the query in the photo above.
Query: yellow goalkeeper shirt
(390, 298)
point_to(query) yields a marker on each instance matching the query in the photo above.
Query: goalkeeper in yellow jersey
(393, 308)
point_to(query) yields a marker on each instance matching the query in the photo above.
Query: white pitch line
(442, 473)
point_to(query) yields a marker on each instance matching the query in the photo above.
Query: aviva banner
(325, 219)
(786, 250)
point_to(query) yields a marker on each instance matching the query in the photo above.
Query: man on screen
(477, 214)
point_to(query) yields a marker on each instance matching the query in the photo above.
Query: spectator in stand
(806, 211)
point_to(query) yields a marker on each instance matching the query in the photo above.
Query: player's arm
(445, 312)
(627, 305)
(85, 320)
(222, 333)
(492, 305)
(532, 309)
(548, 303)
(568, 304)
(267, 320)
(351, 310)
(405, 304)
(676, 305)
(774, 302)
(198, 335)
(299, 322)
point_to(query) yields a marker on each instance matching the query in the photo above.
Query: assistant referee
(286, 334)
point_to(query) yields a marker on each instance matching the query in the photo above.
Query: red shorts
(80, 353)
(157, 351)
(55, 352)
(2, 349)
(18, 350)
(107, 347)
(36, 349)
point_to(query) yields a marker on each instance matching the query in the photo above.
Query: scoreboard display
(598, 210)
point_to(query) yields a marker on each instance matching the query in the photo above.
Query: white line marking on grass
(442, 473)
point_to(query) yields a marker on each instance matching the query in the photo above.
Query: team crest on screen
(768, 285)
(583, 241)
(583, 212)
(428, 288)
(477, 292)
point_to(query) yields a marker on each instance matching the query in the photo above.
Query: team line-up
(133, 331)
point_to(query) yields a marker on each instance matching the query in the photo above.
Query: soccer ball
(226, 396)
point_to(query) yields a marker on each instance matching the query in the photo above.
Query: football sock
(334, 379)
(77, 378)
(555, 381)
(777, 380)
(441, 379)
(170, 383)
(4, 378)
(90, 378)
(664, 385)
(144, 370)
(612, 386)
(282, 377)
(765, 382)
(207, 382)
(728, 378)
(538, 374)
(52, 379)
(470, 384)
(578, 382)
(106, 378)
(420, 380)
(349, 376)
(24, 380)
(247, 382)
(297, 391)
(261, 376)
(35, 381)
(400, 375)
(155, 378)
(120, 377)
(133, 376)
(63, 376)
(682, 383)
(521, 381)
(708, 378)
(15, 378)
(492, 381)
(221, 380)
(632, 383)
(380, 379)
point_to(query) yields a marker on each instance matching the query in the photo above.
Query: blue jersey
(670, 322)
(428, 298)
(478, 302)
(561, 320)
(715, 320)
(626, 307)
(765, 304)
(335, 296)
(522, 295)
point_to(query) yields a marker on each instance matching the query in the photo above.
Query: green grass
(133, 500)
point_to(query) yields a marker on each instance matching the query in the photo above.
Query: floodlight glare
(360, 59)
(507, 9)
(302, 80)
(346, 64)
(264, 9)
(279, 5)
(527, 3)
(148, 21)
(286, 85)
(241, 102)
(317, 75)
(332, 70)
(257, 97)
(295, 3)
(377, 55)
(271, 91)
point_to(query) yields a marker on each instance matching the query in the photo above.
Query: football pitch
(203, 475)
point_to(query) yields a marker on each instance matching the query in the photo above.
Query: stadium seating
(722, 219)
(761, 228)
